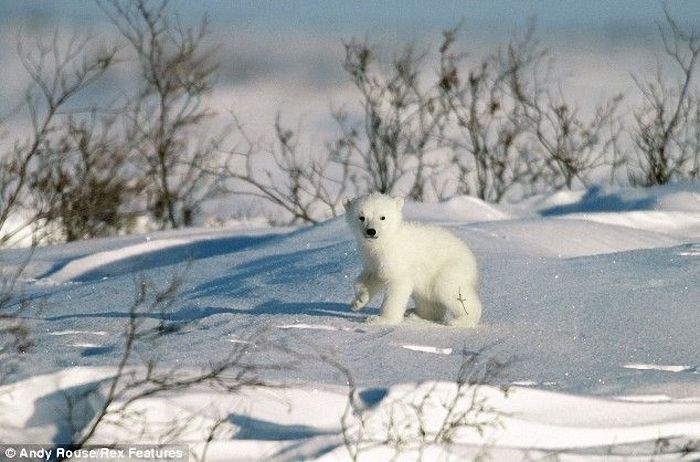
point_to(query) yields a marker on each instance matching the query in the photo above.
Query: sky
(618, 18)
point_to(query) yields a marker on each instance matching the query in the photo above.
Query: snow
(660, 367)
(591, 299)
(461, 209)
(429, 349)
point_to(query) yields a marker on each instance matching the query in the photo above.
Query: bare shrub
(166, 118)
(58, 74)
(431, 414)
(565, 146)
(489, 140)
(84, 184)
(574, 148)
(514, 134)
(15, 334)
(389, 148)
(77, 173)
(500, 129)
(119, 396)
(496, 130)
(666, 129)
(306, 187)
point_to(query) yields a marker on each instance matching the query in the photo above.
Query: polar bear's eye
(362, 218)
(382, 218)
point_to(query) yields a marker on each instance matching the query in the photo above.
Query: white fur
(407, 260)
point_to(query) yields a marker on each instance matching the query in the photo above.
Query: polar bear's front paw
(381, 321)
(357, 304)
(361, 299)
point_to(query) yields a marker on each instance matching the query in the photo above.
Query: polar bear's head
(373, 217)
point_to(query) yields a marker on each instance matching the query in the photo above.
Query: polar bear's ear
(347, 204)
(399, 202)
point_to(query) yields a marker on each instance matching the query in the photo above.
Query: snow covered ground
(592, 299)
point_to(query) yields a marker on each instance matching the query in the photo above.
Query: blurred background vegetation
(127, 116)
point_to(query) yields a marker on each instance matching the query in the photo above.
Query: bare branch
(58, 73)
(167, 113)
(307, 188)
(666, 126)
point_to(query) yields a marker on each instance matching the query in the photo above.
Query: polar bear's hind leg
(455, 291)
(465, 308)
(430, 310)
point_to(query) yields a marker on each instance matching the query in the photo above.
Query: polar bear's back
(434, 237)
(433, 247)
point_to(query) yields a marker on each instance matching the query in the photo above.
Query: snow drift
(591, 299)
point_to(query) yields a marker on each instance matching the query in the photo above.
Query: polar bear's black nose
(371, 232)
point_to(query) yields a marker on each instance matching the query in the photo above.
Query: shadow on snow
(194, 313)
(166, 257)
(303, 267)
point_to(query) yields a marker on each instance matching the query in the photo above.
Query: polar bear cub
(406, 260)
